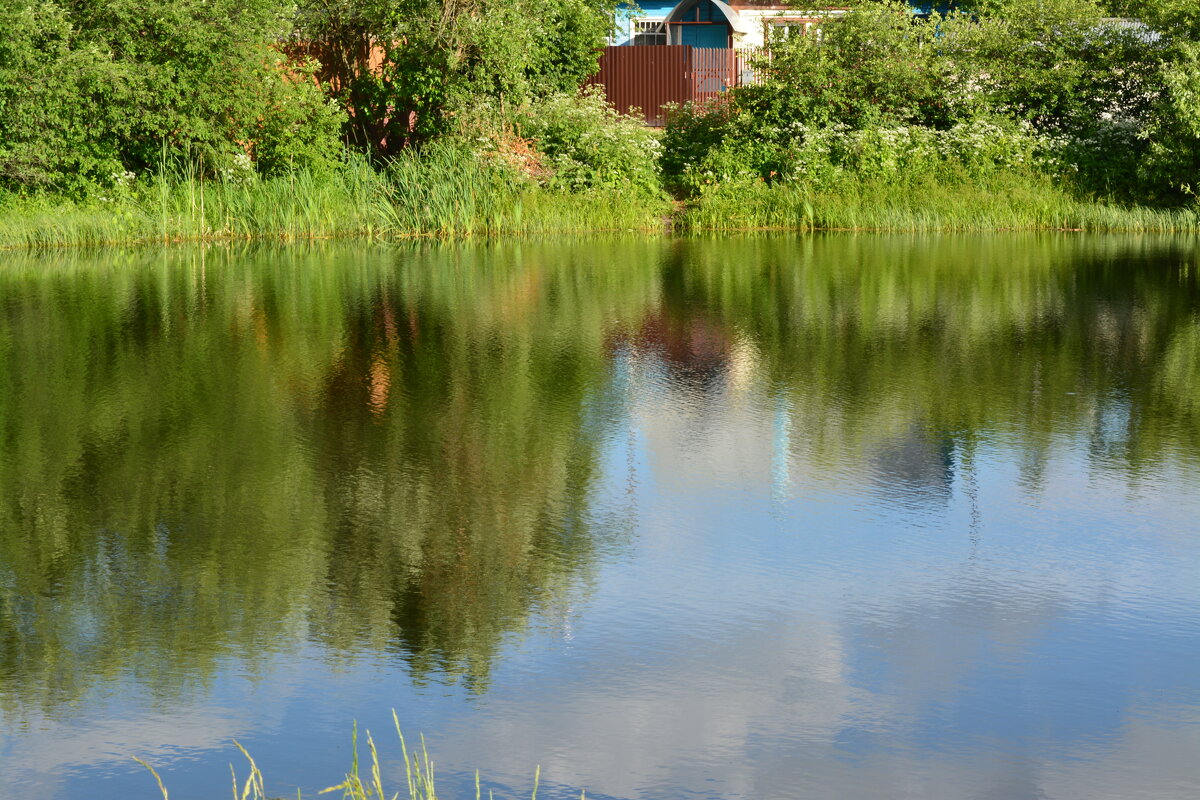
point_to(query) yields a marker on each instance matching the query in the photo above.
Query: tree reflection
(225, 454)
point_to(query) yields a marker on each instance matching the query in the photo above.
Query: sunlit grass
(439, 193)
(434, 193)
(419, 776)
(1004, 204)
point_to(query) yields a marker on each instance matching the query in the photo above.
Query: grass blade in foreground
(418, 769)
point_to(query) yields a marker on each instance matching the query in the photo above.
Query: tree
(411, 70)
(871, 65)
(93, 89)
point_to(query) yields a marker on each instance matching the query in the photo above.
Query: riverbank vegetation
(444, 190)
(225, 120)
(1014, 115)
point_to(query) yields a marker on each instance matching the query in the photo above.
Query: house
(737, 24)
(692, 51)
(685, 51)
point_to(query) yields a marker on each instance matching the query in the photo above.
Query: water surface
(836, 516)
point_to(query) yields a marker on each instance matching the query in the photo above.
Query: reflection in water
(831, 516)
(911, 465)
(218, 457)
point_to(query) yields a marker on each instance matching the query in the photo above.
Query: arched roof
(732, 17)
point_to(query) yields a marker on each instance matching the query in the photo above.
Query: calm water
(832, 517)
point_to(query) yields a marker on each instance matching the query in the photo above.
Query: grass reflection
(215, 454)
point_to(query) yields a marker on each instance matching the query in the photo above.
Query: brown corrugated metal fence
(712, 71)
(648, 77)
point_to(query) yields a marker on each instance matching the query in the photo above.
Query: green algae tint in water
(853, 517)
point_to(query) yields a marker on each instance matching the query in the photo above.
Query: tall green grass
(439, 192)
(1012, 202)
(435, 193)
(419, 773)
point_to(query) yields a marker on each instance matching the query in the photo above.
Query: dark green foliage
(1052, 62)
(692, 132)
(1106, 107)
(1177, 19)
(99, 96)
(870, 66)
(92, 90)
(410, 70)
(95, 93)
(1172, 130)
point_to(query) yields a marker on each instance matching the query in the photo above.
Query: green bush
(300, 128)
(1170, 168)
(838, 155)
(1106, 108)
(873, 65)
(692, 131)
(410, 70)
(96, 89)
(587, 144)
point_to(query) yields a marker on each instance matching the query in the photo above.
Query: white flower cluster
(240, 172)
(587, 144)
(831, 154)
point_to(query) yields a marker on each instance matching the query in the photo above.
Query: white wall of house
(787, 21)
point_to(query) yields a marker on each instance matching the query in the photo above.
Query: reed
(1005, 203)
(431, 194)
(438, 193)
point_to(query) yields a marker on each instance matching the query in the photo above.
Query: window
(649, 31)
(785, 27)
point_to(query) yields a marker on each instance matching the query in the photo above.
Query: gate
(648, 77)
(711, 71)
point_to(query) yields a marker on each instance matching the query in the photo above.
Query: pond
(764, 517)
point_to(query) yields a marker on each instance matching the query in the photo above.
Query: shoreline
(215, 213)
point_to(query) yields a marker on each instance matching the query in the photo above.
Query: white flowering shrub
(239, 171)
(587, 144)
(827, 156)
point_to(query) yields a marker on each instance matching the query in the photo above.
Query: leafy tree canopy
(94, 89)
(413, 69)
